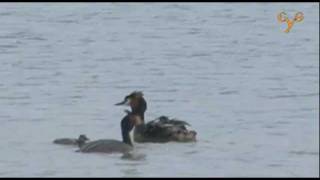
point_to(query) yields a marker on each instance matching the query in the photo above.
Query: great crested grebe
(161, 129)
(111, 145)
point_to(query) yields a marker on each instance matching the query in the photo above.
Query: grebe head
(83, 137)
(136, 101)
(82, 140)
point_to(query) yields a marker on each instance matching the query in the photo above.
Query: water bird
(161, 129)
(82, 139)
(111, 145)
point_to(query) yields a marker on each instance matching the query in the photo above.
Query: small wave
(223, 74)
(111, 18)
(36, 38)
(191, 152)
(37, 120)
(153, 37)
(67, 21)
(278, 89)
(247, 67)
(269, 126)
(242, 17)
(229, 92)
(7, 37)
(34, 68)
(306, 67)
(277, 134)
(76, 97)
(242, 160)
(304, 153)
(164, 90)
(275, 165)
(130, 87)
(28, 84)
(14, 98)
(200, 55)
(291, 96)
(164, 100)
(5, 13)
(8, 46)
(282, 122)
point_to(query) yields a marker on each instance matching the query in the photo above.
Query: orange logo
(282, 17)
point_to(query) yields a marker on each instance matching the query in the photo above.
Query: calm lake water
(250, 90)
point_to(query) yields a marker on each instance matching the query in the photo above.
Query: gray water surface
(250, 90)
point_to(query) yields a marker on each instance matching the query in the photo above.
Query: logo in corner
(283, 17)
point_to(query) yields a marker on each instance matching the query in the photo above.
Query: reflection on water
(133, 156)
(130, 172)
(247, 88)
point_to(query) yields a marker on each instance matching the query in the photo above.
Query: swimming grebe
(161, 129)
(111, 145)
(71, 141)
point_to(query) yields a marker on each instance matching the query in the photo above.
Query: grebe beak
(124, 102)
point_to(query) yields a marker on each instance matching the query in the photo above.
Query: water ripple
(14, 97)
(312, 153)
(229, 92)
(291, 96)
